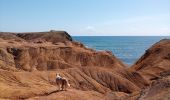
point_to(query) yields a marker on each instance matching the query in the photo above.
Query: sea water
(127, 48)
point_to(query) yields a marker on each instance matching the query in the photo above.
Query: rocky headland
(30, 61)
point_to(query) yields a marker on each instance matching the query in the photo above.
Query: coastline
(30, 61)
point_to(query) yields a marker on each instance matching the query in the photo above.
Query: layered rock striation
(30, 61)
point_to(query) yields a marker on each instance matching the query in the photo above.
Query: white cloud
(142, 25)
(90, 28)
(155, 25)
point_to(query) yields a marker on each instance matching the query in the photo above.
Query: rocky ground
(30, 61)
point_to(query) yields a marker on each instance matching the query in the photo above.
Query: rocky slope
(53, 52)
(154, 61)
(154, 66)
(158, 89)
(30, 61)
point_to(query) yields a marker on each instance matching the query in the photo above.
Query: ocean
(127, 48)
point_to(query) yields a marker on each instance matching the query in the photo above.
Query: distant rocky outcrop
(51, 36)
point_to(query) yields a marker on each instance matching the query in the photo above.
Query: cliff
(154, 61)
(30, 61)
(25, 56)
(154, 66)
(55, 51)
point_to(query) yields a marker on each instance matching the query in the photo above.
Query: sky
(87, 17)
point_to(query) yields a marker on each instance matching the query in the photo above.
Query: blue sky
(87, 17)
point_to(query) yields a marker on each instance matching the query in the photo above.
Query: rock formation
(154, 66)
(154, 61)
(55, 51)
(30, 61)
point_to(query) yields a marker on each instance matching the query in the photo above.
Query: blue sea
(127, 48)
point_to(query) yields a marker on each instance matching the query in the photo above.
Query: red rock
(154, 61)
(30, 61)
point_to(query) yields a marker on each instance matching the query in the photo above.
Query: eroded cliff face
(29, 59)
(154, 61)
(49, 56)
(154, 66)
(29, 63)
